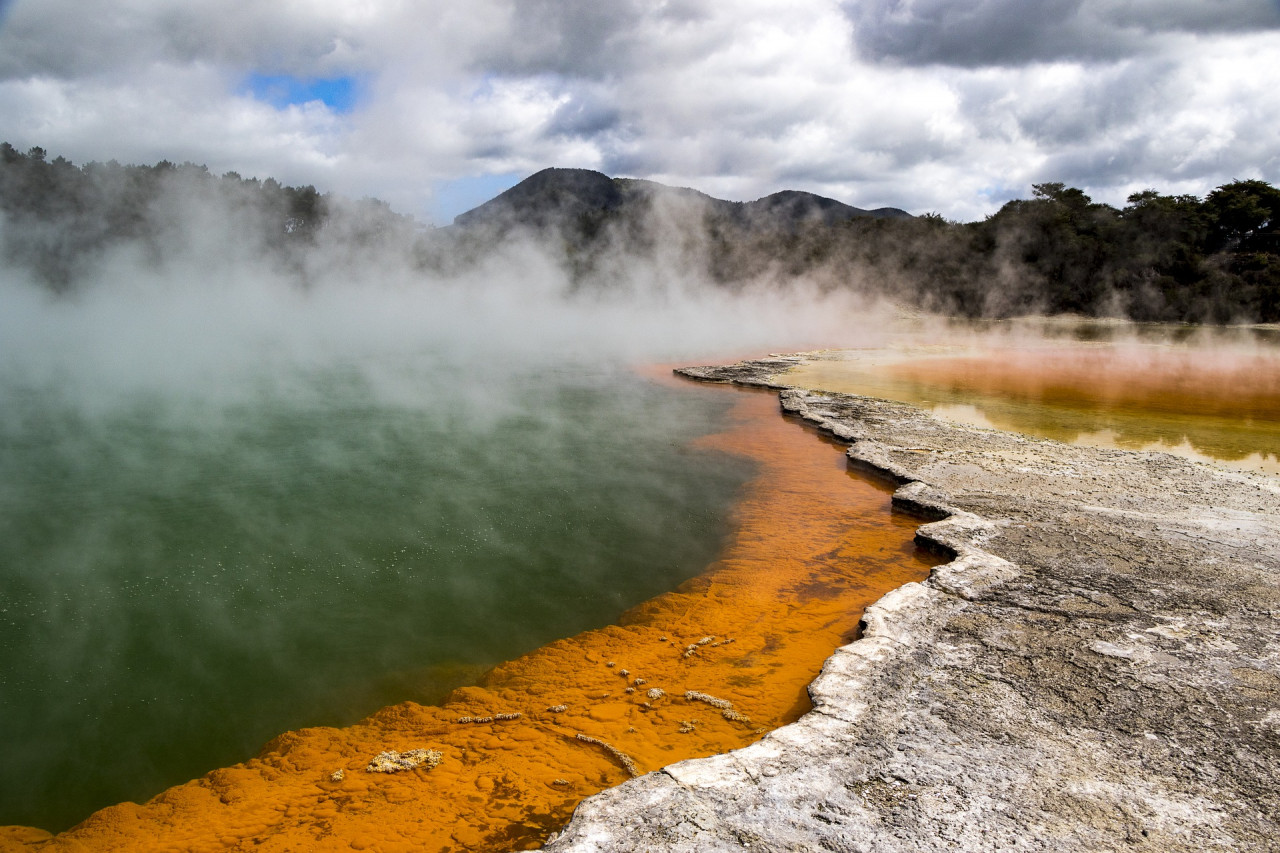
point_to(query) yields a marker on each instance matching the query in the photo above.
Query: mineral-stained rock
(394, 762)
(1097, 669)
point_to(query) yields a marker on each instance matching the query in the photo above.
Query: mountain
(795, 207)
(578, 200)
(547, 198)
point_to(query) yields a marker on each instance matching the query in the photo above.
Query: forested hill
(60, 221)
(1171, 258)
(582, 200)
(1160, 257)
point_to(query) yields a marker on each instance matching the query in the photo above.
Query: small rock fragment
(695, 696)
(622, 757)
(514, 715)
(394, 762)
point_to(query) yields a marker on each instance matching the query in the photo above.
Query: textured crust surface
(1097, 668)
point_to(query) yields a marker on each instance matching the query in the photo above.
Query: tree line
(60, 220)
(1174, 258)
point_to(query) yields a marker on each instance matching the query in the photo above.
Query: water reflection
(1207, 394)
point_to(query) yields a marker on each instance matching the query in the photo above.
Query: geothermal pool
(186, 574)
(190, 569)
(233, 513)
(705, 668)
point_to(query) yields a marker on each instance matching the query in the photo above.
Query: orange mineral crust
(707, 668)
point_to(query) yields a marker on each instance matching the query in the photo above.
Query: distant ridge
(560, 198)
(546, 198)
(798, 206)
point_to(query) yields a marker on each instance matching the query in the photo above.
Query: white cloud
(172, 112)
(871, 102)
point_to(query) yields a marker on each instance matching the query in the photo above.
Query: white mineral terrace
(1097, 669)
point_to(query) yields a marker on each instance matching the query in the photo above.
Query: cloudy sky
(952, 106)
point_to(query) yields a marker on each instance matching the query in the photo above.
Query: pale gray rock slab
(1098, 667)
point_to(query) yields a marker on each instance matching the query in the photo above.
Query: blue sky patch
(462, 194)
(282, 90)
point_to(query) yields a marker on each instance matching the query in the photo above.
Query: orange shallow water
(1211, 402)
(1222, 384)
(812, 545)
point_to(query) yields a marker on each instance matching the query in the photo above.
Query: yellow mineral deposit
(502, 764)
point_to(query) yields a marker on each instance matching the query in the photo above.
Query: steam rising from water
(240, 494)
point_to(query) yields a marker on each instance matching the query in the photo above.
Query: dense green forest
(1171, 258)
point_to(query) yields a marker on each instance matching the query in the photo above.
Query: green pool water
(187, 572)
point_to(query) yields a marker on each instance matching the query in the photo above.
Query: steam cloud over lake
(245, 490)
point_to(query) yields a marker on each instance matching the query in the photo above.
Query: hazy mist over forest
(575, 254)
(173, 254)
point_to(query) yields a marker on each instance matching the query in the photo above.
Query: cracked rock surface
(1098, 668)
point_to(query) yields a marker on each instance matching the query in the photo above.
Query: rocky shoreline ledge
(1098, 668)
